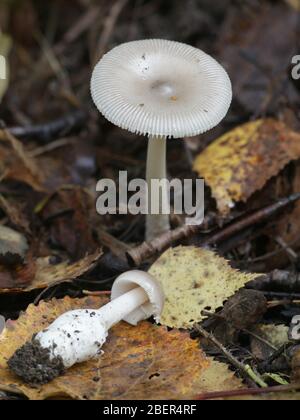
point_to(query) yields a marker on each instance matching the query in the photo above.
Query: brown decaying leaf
(42, 173)
(244, 159)
(69, 216)
(17, 277)
(143, 362)
(296, 366)
(245, 309)
(21, 153)
(48, 275)
(287, 226)
(16, 164)
(257, 56)
(15, 212)
(193, 280)
(41, 273)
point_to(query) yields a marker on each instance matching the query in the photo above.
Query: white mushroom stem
(119, 308)
(77, 336)
(157, 224)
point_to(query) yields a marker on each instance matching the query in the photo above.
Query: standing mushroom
(77, 336)
(161, 89)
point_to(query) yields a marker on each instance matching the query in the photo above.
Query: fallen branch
(279, 295)
(255, 218)
(147, 250)
(51, 130)
(278, 279)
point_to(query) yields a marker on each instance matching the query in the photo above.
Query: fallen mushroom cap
(161, 88)
(129, 281)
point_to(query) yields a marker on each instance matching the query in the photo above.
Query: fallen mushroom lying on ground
(78, 336)
(178, 287)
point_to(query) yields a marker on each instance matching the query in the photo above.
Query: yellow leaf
(243, 160)
(219, 378)
(143, 362)
(276, 335)
(193, 280)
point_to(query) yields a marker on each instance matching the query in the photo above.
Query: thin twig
(29, 163)
(223, 318)
(82, 25)
(289, 251)
(108, 28)
(257, 217)
(53, 129)
(246, 370)
(278, 295)
(285, 302)
(274, 356)
(96, 294)
(249, 392)
(48, 148)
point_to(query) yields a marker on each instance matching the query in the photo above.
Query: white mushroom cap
(131, 280)
(161, 88)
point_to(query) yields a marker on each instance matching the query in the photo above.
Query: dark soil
(32, 363)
